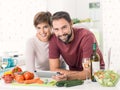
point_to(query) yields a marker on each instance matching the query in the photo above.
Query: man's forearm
(76, 75)
(72, 74)
(55, 66)
(61, 70)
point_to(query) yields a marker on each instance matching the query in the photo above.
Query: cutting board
(48, 84)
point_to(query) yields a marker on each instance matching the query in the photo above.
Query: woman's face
(43, 32)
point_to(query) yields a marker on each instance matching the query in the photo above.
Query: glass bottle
(95, 62)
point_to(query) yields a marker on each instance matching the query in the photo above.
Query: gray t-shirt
(37, 55)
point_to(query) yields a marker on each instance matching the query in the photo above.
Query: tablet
(46, 74)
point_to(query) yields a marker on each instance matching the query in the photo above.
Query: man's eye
(64, 27)
(55, 29)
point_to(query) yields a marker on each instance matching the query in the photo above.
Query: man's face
(62, 29)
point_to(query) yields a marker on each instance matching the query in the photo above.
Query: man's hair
(60, 15)
(42, 17)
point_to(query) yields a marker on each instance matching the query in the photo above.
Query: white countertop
(85, 86)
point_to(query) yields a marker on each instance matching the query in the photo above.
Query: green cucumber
(61, 83)
(73, 83)
(69, 83)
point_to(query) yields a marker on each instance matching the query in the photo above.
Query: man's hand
(60, 77)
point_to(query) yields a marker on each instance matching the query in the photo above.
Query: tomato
(28, 75)
(32, 75)
(8, 78)
(16, 69)
(19, 78)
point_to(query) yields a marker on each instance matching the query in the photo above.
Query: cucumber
(69, 83)
(61, 83)
(73, 83)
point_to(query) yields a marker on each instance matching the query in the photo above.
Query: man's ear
(71, 23)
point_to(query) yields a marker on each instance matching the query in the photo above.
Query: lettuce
(107, 78)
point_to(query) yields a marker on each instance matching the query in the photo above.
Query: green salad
(107, 78)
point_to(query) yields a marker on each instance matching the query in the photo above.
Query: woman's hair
(60, 15)
(42, 17)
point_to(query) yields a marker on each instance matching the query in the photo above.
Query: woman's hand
(60, 77)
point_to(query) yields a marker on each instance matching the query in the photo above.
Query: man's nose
(60, 32)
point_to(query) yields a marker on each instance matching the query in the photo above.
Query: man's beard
(68, 38)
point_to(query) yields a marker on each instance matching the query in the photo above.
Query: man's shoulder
(53, 37)
(82, 31)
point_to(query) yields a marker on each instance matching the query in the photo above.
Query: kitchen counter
(85, 86)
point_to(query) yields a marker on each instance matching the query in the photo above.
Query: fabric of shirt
(73, 52)
(37, 55)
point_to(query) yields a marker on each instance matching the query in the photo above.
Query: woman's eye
(46, 27)
(38, 28)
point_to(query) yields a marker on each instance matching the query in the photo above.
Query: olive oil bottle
(95, 62)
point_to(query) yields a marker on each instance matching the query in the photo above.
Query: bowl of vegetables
(107, 78)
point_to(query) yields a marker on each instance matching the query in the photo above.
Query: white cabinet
(76, 8)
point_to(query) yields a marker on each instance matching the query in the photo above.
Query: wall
(16, 22)
(76, 8)
(111, 32)
(16, 19)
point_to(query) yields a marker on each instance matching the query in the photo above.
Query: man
(73, 44)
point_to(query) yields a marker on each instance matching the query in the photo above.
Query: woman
(37, 52)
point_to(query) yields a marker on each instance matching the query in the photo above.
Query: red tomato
(32, 75)
(16, 69)
(19, 78)
(28, 75)
(8, 78)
